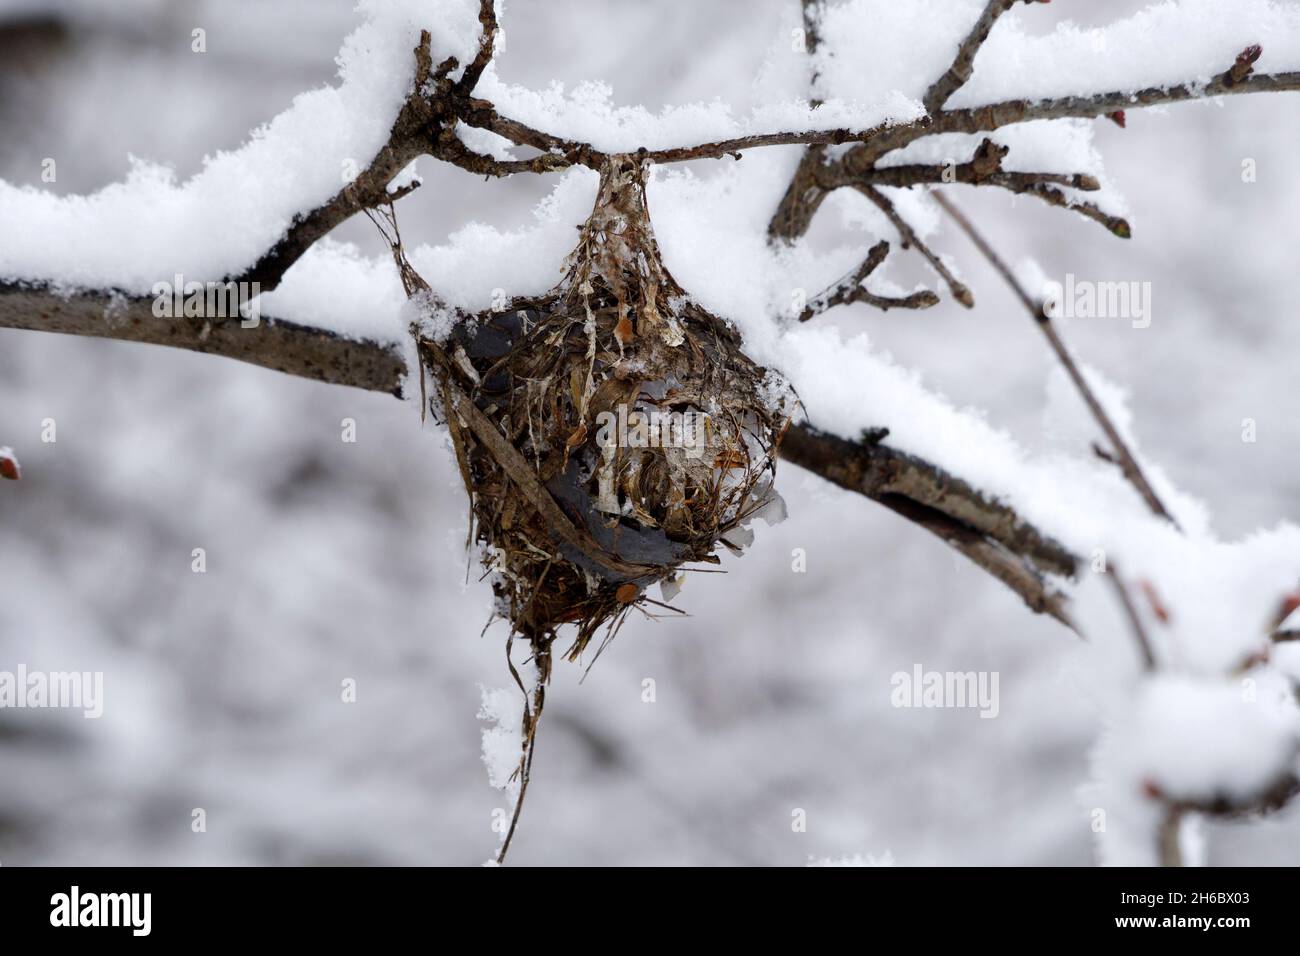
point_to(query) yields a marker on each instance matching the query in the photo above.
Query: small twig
(957, 75)
(1134, 619)
(803, 197)
(533, 703)
(967, 174)
(1116, 225)
(1129, 466)
(909, 238)
(985, 169)
(487, 16)
(850, 289)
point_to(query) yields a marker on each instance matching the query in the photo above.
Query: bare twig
(960, 291)
(992, 116)
(487, 17)
(1015, 572)
(957, 75)
(1128, 463)
(850, 289)
(985, 169)
(1116, 225)
(804, 195)
(1134, 619)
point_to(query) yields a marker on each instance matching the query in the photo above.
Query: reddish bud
(1157, 606)
(1118, 118)
(1244, 66)
(9, 465)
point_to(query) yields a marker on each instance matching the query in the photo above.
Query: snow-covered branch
(283, 346)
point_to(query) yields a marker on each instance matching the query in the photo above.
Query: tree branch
(274, 343)
(850, 289)
(959, 290)
(989, 533)
(957, 75)
(983, 169)
(487, 18)
(1128, 463)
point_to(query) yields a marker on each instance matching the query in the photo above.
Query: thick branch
(274, 343)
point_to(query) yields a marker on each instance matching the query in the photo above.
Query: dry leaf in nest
(607, 432)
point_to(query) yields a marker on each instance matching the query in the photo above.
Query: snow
(503, 709)
(1188, 730)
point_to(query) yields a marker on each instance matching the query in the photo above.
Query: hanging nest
(608, 432)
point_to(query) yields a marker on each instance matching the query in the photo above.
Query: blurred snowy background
(328, 561)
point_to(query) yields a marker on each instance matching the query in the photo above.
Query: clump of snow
(1177, 739)
(333, 286)
(1198, 740)
(503, 709)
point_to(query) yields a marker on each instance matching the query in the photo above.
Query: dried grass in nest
(574, 531)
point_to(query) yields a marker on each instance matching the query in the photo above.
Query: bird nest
(608, 433)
